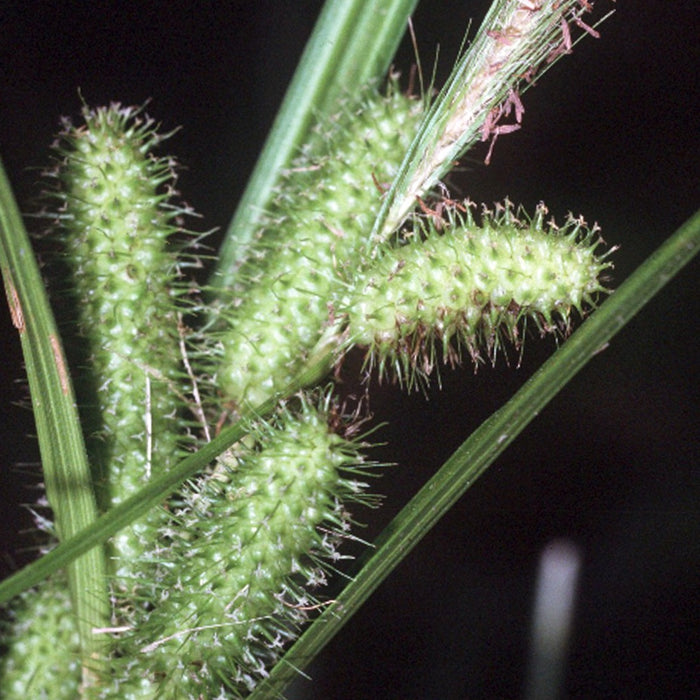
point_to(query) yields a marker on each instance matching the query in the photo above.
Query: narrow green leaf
(129, 510)
(482, 448)
(64, 460)
(352, 44)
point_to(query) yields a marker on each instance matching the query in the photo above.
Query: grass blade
(353, 43)
(129, 510)
(64, 460)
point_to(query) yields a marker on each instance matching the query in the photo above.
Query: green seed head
(311, 240)
(248, 541)
(41, 658)
(115, 223)
(462, 285)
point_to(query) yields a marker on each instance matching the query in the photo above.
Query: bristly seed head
(458, 285)
(120, 228)
(248, 539)
(311, 241)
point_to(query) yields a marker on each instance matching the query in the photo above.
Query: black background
(611, 465)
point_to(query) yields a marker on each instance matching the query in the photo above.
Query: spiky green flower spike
(461, 285)
(250, 539)
(116, 222)
(310, 241)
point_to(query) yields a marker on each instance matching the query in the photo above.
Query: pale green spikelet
(117, 222)
(42, 648)
(246, 541)
(459, 285)
(311, 239)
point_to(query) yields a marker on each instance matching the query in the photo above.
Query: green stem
(352, 44)
(64, 460)
(129, 510)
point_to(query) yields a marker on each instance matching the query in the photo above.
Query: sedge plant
(202, 503)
